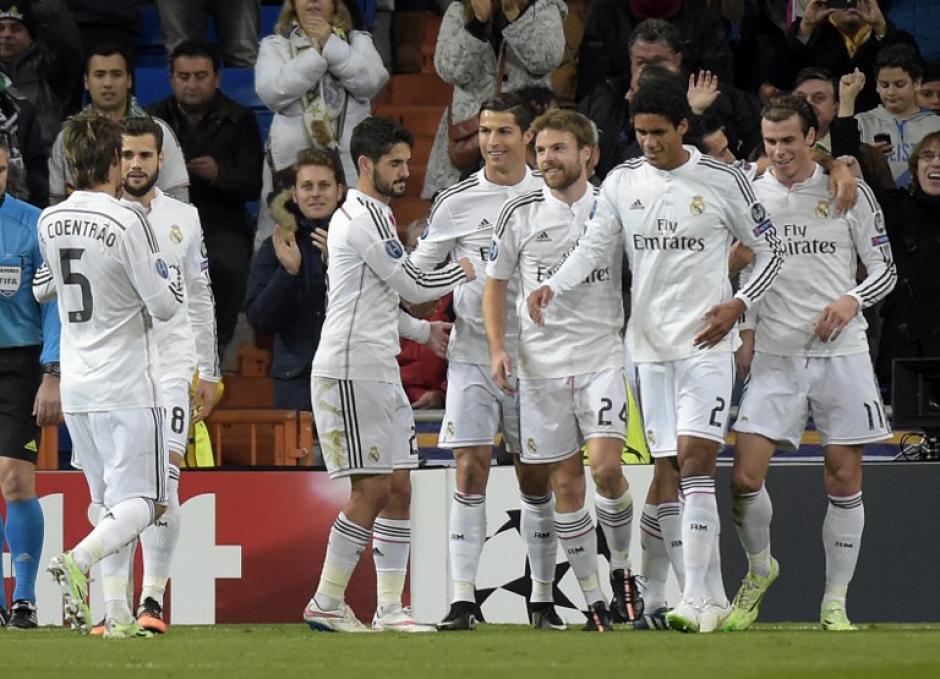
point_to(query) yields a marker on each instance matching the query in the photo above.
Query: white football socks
(467, 535)
(576, 534)
(752, 516)
(346, 544)
(391, 542)
(669, 515)
(700, 524)
(536, 523)
(115, 570)
(116, 527)
(159, 542)
(615, 517)
(842, 540)
(655, 560)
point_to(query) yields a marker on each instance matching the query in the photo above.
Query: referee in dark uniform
(29, 396)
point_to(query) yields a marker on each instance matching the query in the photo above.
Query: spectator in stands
(838, 41)
(657, 45)
(928, 96)
(318, 75)
(488, 46)
(40, 51)
(236, 25)
(108, 80)
(897, 125)
(424, 373)
(911, 314)
(27, 162)
(818, 87)
(610, 23)
(287, 285)
(222, 144)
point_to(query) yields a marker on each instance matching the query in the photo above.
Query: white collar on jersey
(689, 166)
(481, 176)
(353, 194)
(817, 176)
(552, 200)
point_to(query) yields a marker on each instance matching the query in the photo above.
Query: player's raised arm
(148, 269)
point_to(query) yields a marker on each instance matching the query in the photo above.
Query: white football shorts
(688, 397)
(363, 427)
(476, 409)
(558, 414)
(122, 453)
(841, 392)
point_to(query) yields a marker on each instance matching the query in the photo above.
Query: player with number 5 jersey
(111, 278)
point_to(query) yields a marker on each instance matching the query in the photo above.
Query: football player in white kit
(571, 382)
(364, 421)
(805, 344)
(461, 225)
(678, 212)
(185, 343)
(110, 274)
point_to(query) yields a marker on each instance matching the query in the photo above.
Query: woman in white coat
(318, 76)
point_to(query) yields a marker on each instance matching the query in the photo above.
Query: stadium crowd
(259, 209)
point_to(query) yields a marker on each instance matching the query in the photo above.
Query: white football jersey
(111, 277)
(823, 249)
(461, 225)
(905, 134)
(188, 340)
(534, 234)
(368, 274)
(677, 229)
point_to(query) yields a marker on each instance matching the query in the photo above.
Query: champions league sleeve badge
(162, 270)
(394, 249)
(697, 206)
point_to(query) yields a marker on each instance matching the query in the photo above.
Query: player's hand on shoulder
(833, 319)
(501, 371)
(439, 337)
(843, 186)
(719, 319)
(468, 269)
(537, 301)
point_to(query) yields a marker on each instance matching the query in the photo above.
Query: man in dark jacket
(287, 286)
(839, 41)
(40, 51)
(655, 47)
(222, 145)
(609, 24)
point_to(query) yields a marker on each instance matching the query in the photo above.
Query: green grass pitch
(274, 651)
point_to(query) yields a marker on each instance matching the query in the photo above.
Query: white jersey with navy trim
(461, 225)
(534, 234)
(823, 249)
(188, 340)
(111, 277)
(368, 274)
(677, 228)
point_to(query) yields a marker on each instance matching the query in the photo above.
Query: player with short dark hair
(678, 212)
(364, 420)
(806, 349)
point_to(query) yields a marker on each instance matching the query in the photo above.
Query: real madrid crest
(374, 453)
(450, 429)
(530, 444)
(822, 209)
(697, 206)
(176, 234)
(650, 437)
